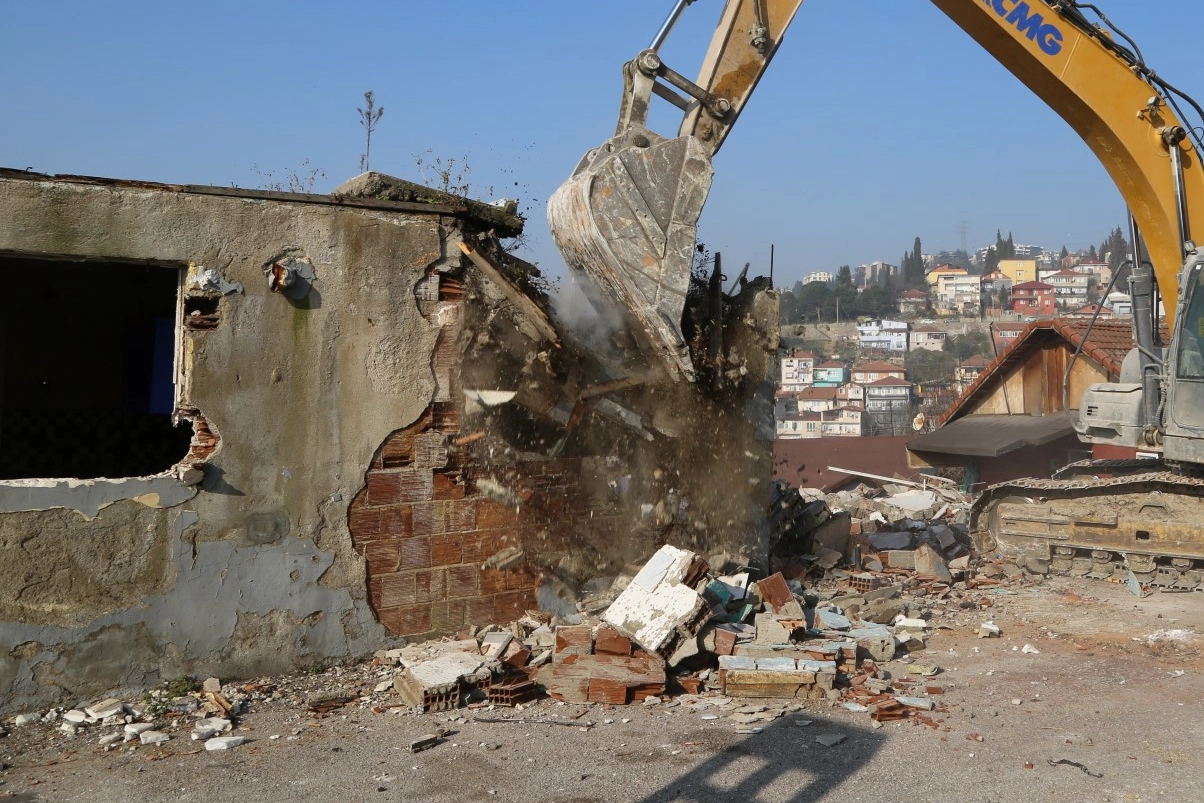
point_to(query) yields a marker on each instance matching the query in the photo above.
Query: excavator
(627, 218)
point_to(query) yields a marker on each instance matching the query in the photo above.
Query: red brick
(492, 581)
(381, 556)
(725, 641)
(491, 515)
(445, 550)
(384, 488)
(573, 640)
(412, 620)
(513, 604)
(517, 579)
(447, 616)
(398, 450)
(415, 554)
(479, 611)
(397, 590)
(374, 593)
(425, 514)
(463, 581)
(430, 450)
(430, 586)
(415, 485)
(774, 591)
(609, 641)
(363, 522)
(461, 515)
(445, 417)
(445, 487)
(397, 521)
(605, 690)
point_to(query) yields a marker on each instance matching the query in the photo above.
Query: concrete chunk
(224, 742)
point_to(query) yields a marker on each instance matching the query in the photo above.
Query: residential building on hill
(798, 369)
(1033, 299)
(927, 337)
(831, 374)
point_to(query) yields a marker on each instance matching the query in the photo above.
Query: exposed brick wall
(425, 535)
(425, 528)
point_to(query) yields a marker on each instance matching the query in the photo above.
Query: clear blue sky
(879, 120)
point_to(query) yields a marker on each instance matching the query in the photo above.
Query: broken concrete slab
(932, 563)
(660, 607)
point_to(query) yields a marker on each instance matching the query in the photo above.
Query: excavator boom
(627, 216)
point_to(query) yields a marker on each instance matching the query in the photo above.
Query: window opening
(87, 369)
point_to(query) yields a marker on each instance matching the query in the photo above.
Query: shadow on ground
(785, 762)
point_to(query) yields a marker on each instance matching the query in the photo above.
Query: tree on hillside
(991, 262)
(844, 276)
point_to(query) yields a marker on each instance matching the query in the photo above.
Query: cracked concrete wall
(124, 583)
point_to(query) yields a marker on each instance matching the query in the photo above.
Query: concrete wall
(239, 560)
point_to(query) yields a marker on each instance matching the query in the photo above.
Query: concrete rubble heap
(860, 581)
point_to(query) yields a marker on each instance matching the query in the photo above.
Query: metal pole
(663, 33)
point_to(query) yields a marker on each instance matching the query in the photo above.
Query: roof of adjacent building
(908, 295)
(888, 382)
(822, 394)
(977, 361)
(808, 462)
(1032, 286)
(929, 329)
(801, 354)
(1008, 326)
(831, 364)
(1091, 309)
(1069, 272)
(1106, 345)
(993, 435)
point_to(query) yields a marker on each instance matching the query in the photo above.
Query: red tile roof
(890, 380)
(1032, 286)
(831, 364)
(817, 393)
(918, 295)
(977, 361)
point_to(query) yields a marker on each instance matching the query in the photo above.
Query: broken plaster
(88, 496)
(207, 280)
(194, 626)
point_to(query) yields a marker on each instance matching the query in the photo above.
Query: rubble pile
(858, 584)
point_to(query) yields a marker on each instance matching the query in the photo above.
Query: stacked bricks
(425, 531)
(425, 537)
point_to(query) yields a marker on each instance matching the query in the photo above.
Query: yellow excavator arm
(627, 216)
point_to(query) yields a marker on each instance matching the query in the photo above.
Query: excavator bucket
(627, 218)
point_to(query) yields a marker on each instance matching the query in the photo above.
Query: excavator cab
(627, 217)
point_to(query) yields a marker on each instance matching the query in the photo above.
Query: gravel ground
(1115, 686)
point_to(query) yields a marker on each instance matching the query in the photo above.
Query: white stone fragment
(139, 728)
(105, 708)
(111, 738)
(25, 719)
(75, 715)
(153, 737)
(224, 742)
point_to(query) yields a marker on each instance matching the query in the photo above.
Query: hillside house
(912, 303)
(865, 373)
(929, 338)
(1033, 300)
(798, 369)
(831, 374)
(1010, 422)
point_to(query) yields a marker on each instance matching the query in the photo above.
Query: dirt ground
(1115, 686)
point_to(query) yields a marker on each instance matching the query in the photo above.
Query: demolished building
(247, 431)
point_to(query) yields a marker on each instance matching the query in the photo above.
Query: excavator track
(1146, 518)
